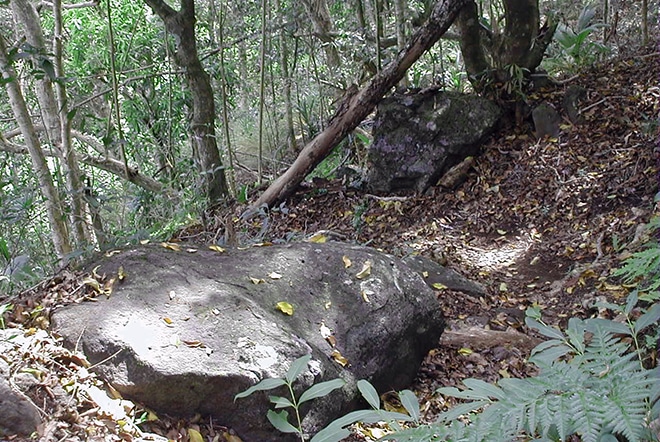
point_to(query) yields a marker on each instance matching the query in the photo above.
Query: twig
(387, 198)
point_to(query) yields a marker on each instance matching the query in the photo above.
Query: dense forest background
(125, 121)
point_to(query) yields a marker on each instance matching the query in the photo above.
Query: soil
(538, 222)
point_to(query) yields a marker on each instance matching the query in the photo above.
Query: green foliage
(643, 267)
(4, 308)
(575, 47)
(336, 430)
(280, 420)
(590, 384)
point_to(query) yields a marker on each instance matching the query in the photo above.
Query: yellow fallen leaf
(257, 280)
(503, 287)
(318, 238)
(262, 244)
(217, 248)
(439, 286)
(284, 307)
(171, 246)
(347, 261)
(465, 351)
(228, 437)
(425, 274)
(338, 358)
(195, 436)
(274, 275)
(167, 320)
(366, 270)
(144, 241)
(93, 283)
(365, 295)
(327, 305)
(112, 253)
(107, 287)
(121, 274)
(501, 232)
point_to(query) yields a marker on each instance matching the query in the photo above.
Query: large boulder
(418, 137)
(185, 331)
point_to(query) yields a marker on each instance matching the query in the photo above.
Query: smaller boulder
(419, 137)
(546, 120)
(18, 417)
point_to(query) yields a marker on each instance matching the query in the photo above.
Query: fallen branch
(356, 105)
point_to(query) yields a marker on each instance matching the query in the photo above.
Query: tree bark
(52, 98)
(205, 148)
(71, 167)
(53, 204)
(357, 105)
(319, 15)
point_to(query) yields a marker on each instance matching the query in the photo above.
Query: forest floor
(536, 222)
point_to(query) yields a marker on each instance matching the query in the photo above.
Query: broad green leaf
(297, 367)
(549, 354)
(460, 410)
(481, 387)
(652, 316)
(463, 394)
(631, 302)
(280, 402)
(410, 403)
(336, 426)
(266, 384)
(575, 332)
(321, 389)
(369, 393)
(281, 421)
(608, 438)
(545, 330)
(333, 434)
(392, 416)
(607, 325)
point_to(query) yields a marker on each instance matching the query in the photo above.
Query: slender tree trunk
(262, 90)
(319, 15)
(54, 109)
(645, 22)
(56, 215)
(400, 22)
(71, 167)
(225, 102)
(203, 140)
(286, 83)
(357, 105)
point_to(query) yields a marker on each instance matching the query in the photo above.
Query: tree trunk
(319, 15)
(71, 167)
(357, 105)
(54, 109)
(52, 201)
(203, 141)
(286, 82)
(488, 54)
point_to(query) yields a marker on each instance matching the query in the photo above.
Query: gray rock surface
(17, 415)
(436, 273)
(185, 332)
(418, 137)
